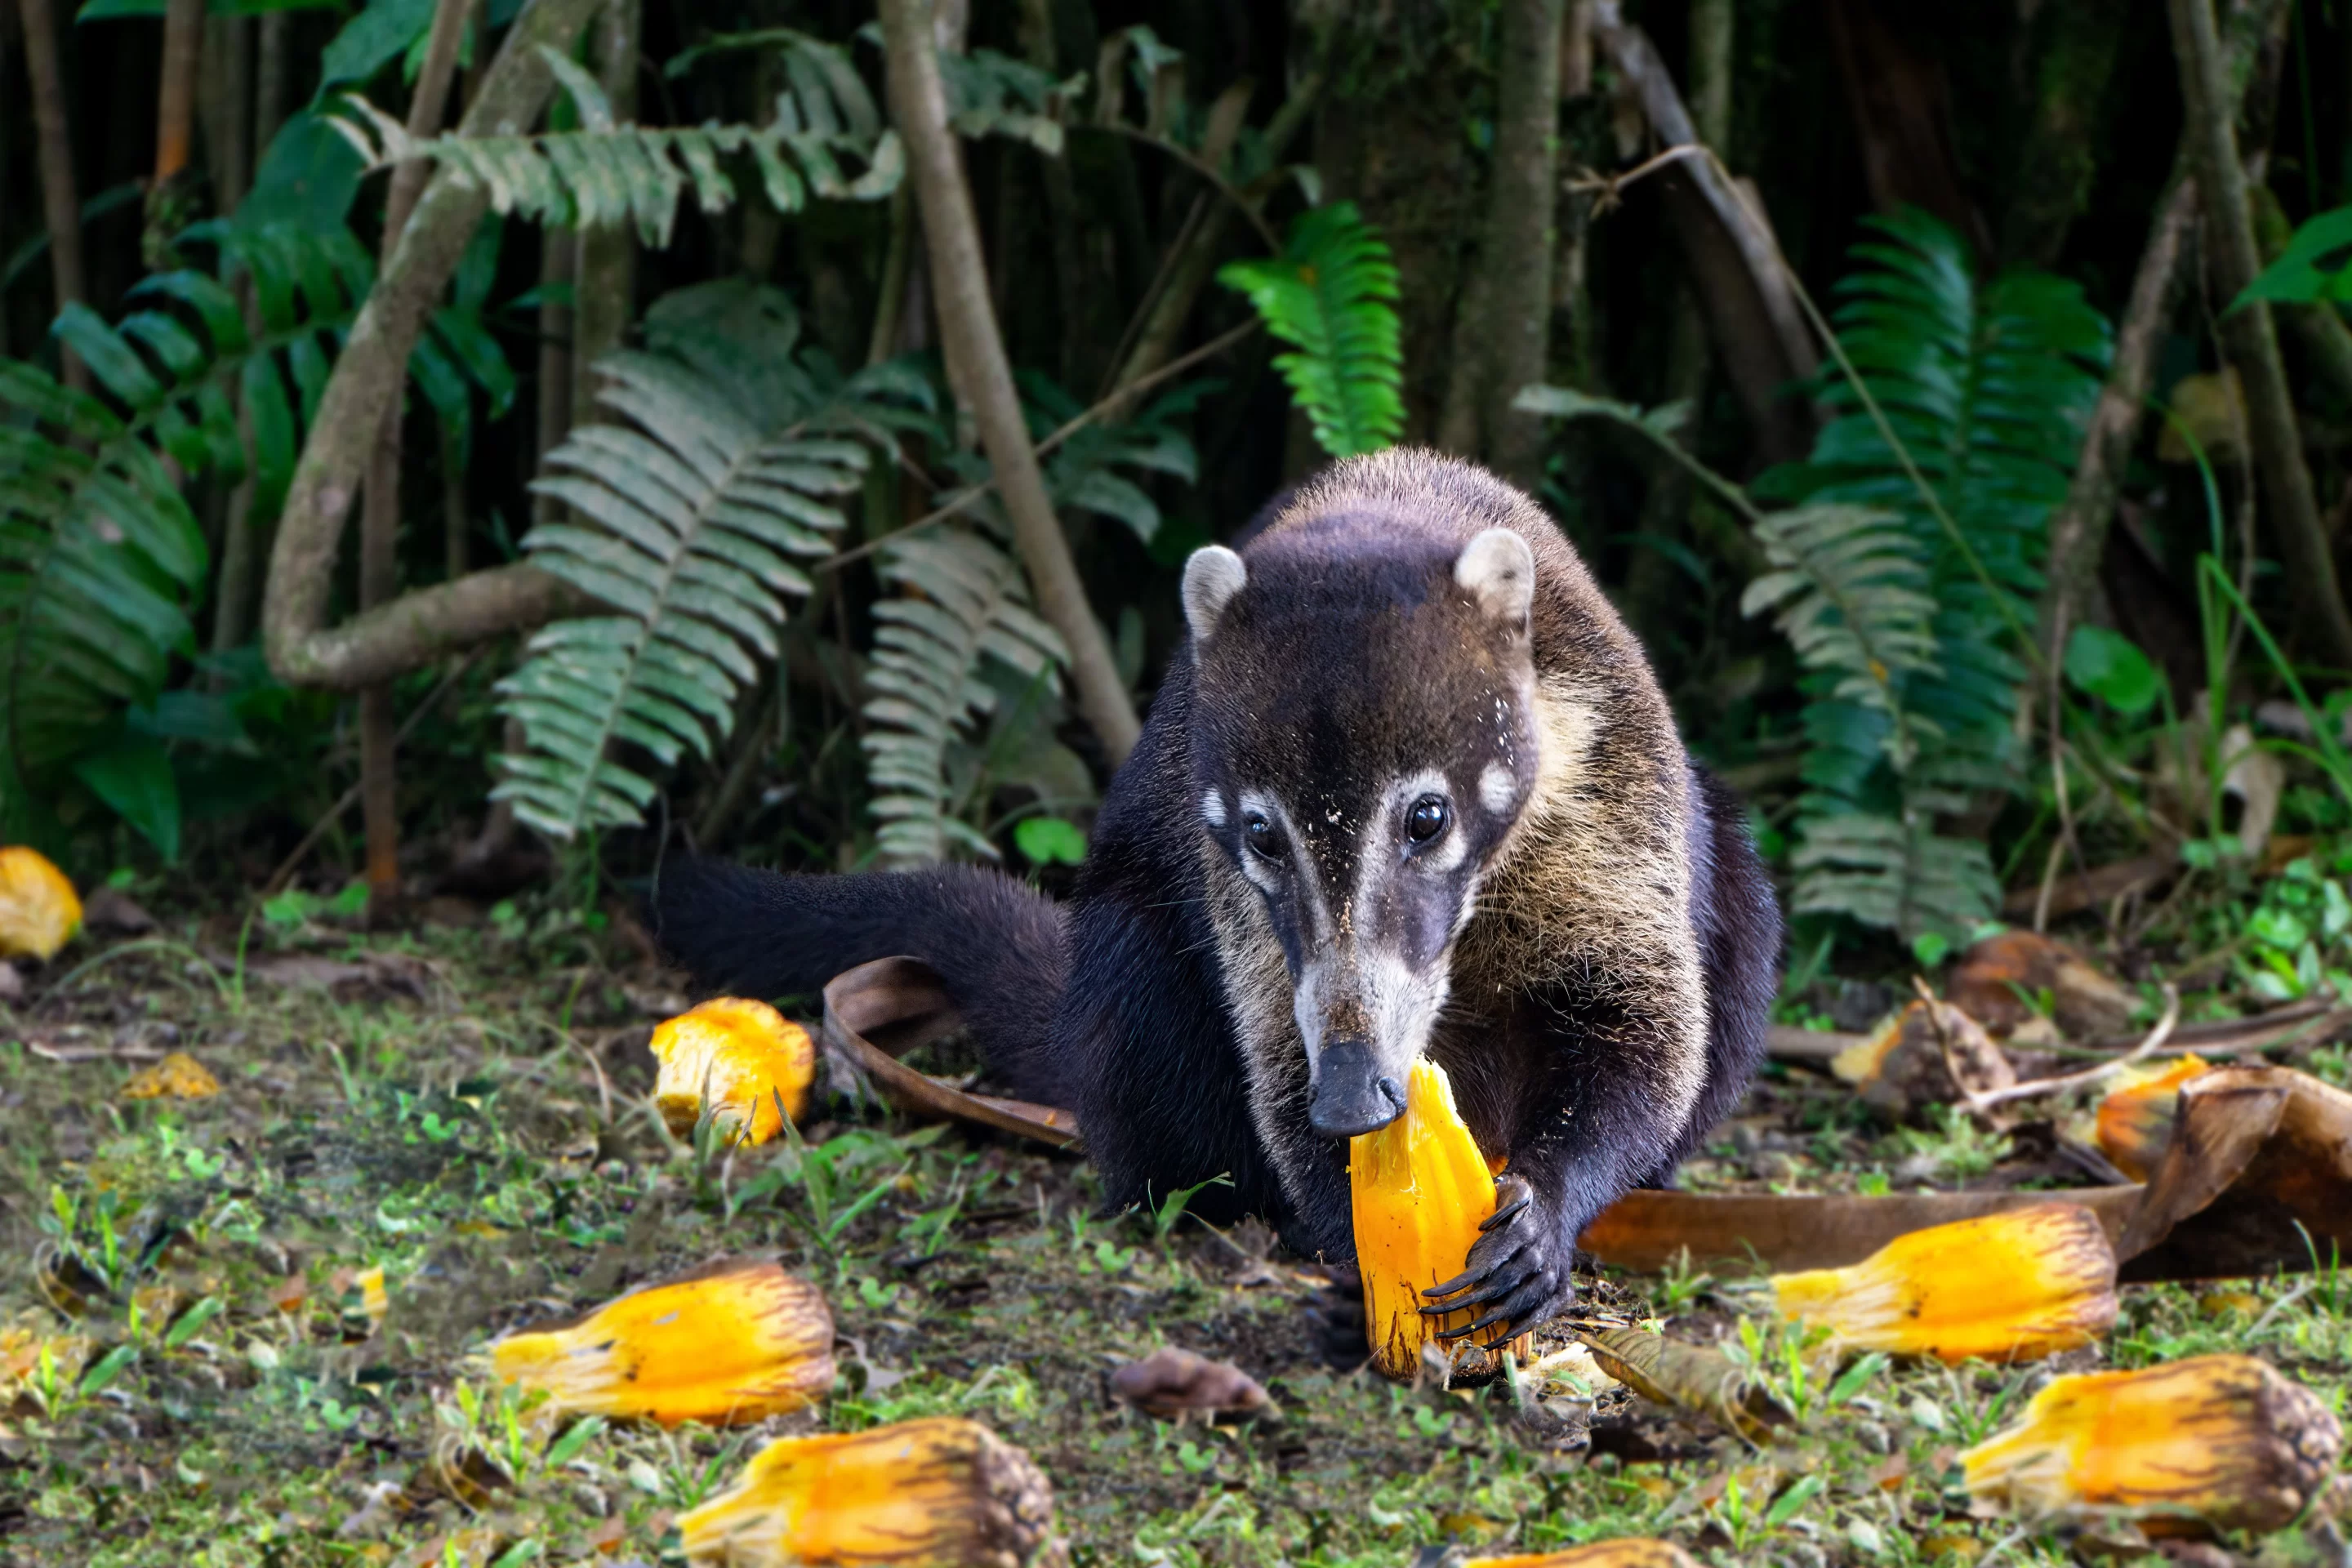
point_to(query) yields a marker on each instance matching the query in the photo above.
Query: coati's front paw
(1518, 1268)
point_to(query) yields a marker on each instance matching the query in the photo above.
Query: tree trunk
(421, 625)
(2249, 338)
(1902, 116)
(608, 254)
(1388, 137)
(1519, 235)
(60, 198)
(380, 522)
(168, 207)
(2054, 170)
(2078, 532)
(225, 90)
(976, 357)
(272, 71)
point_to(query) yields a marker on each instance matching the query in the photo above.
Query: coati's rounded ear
(1211, 577)
(1499, 569)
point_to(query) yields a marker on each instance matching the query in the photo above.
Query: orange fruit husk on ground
(738, 1341)
(2135, 1118)
(2007, 1287)
(38, 909)
(745, 1054)
(1420, 1189)
(2215, 1441)
(940, 1491)
(177, 1076)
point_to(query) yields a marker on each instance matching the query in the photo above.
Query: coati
(1410, 786)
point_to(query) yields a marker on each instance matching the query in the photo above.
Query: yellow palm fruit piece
(38, 911)
(2007, 1287)
(738, 1341)
(375, 1298)
(940, 1492)
(1627, 1551)
(2218, 1441)
(177, 1076)
(2135, 1118)
(746, 1053)
(1420, 1189)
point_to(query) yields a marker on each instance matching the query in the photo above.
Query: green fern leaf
(960, 599)
(101, 562)
(605, 173)
(686, 515)
(1332, 292)
(1894, 873)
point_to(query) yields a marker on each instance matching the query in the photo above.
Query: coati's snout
(1352, 1095)
(1363, 744)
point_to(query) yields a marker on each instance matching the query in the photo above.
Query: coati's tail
(996, 944)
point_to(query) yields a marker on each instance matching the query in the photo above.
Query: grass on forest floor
(470, 1116)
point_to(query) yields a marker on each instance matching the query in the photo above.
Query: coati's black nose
(1351, 1097)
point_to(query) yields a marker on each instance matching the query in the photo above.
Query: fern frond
(960, 599)
(607, 173)
(686, 515)
(1989, 388)
(101, 562)
(1894, 872)
(1333, 293)
(1850, 587)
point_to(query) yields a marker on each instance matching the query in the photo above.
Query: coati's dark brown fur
(1264, 934)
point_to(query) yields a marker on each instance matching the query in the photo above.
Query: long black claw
(1514, 1307)
(1494, 1291)
(1508, 1211)
(1461, 1281)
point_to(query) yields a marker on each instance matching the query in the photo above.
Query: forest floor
(466, 1108)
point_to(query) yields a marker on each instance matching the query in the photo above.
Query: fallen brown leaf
(1172, 1384)
(1931, 1053)
(878, 1012)
(1987, 979)
(1689, 1377)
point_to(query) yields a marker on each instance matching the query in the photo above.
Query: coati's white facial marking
(1211, 577)
(1212, 807)
(1497, 787)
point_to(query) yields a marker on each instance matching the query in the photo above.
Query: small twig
(1611, 186)
(1942, 1034)
(971, 493)
(2084, 1080)
(350, 797)
(2282, 1304)
(603, 1084)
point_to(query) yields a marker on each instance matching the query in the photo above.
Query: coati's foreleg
(1602, 1118)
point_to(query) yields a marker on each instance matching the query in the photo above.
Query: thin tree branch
(1195, 259)
(367, 374)
(2249, 337)
(1733, 258)
(975, 352)
(1103, 409)
(2078, 533)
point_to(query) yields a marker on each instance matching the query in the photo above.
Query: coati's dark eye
(1427, 818)
(1260, 835)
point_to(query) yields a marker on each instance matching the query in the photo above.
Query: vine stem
(977, 364)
